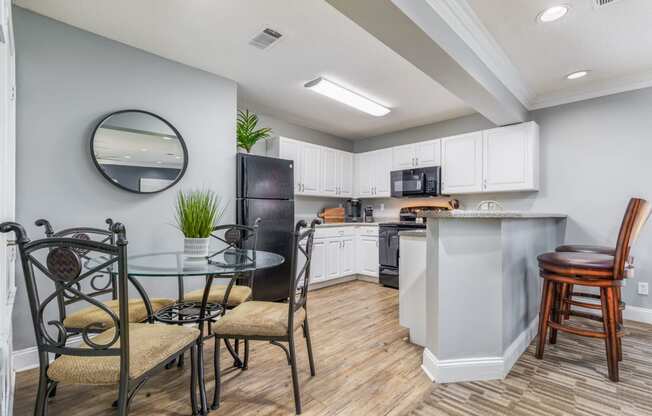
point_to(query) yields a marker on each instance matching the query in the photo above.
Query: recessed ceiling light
(350, 98)
(577, 74)
(166, 138)
(159, 162)
(178, 157)
(127, 157)
(144, 149)
(552, 13)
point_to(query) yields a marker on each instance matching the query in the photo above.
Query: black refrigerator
(265, 190)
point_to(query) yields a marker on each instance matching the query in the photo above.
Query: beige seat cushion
(149, 346)
(258, 319)
(238, 295)
(92, 314)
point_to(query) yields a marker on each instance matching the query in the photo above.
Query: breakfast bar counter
(482, 289)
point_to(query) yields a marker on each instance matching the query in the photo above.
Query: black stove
(404, 224)
(388, 249)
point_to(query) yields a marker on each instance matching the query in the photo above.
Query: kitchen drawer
(368, 230)
(330, 232)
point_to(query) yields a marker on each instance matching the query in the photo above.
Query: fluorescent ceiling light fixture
(578, 74)
(552, 13)
(350, 98)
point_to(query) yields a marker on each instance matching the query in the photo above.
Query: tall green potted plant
(246, 132)
(197, 212)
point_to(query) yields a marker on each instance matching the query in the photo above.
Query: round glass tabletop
(175, 263)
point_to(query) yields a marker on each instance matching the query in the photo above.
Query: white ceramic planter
(196, 247)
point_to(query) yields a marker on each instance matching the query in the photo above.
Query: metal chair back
(102, 283)
(300, 275)
(60, 260)
(238, 239)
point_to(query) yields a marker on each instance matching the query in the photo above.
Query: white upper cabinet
(382, 167)
(290, 149)
(403, 157)
(416, 155)
(310, 169)
(363, 167)
(330, 174)
(345, 173)
(318, 170)
(496, 160)
(511, 158)
(427, 153)
(372, 173)
(462, 163)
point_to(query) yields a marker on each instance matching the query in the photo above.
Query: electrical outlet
(643, 288)
(382, 207)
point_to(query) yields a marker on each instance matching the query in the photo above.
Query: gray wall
(595, 155)
(68, 80)
(304, 206)
(465, 124)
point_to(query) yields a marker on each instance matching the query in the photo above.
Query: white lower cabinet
(318, 262)
(347, 256)
(368, 255)
(344, 251)
(333, 248)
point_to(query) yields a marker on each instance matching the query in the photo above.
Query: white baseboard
(27, 358)
(638, 314)
(481, 368)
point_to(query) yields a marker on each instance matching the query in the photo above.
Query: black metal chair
(238, 239)
(140, 310)
(272, 321)
(125, 355)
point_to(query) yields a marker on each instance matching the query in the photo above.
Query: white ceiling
(613, 41)
(317, 41)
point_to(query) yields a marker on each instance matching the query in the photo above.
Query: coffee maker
(353, 211)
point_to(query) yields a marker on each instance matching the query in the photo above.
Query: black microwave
(421, 182)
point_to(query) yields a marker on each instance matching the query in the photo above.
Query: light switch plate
(643, 288)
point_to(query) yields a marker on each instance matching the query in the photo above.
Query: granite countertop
(348, 224)
(458, 213)
(412, 233)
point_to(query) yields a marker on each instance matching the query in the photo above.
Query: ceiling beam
(417, 32)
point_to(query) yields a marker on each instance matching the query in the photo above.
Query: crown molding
(461, 18)
(595, 89)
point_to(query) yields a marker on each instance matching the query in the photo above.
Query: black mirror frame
(174, 130)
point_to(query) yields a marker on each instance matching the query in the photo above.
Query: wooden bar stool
(559, 270)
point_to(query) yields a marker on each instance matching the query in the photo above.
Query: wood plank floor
(364, 365)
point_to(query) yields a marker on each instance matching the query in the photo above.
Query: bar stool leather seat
(575, 263)
(586, 248)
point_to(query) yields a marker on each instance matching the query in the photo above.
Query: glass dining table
(231, 263)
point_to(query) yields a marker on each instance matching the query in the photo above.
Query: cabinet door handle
(484, 184)
(416, 163)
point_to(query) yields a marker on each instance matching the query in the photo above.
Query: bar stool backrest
(637, 214)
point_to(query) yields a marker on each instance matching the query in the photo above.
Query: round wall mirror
(139, 151)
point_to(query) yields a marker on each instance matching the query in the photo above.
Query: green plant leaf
(246, 132)
(197, 212)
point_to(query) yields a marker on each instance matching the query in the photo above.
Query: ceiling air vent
(600, 3)
(266, 38)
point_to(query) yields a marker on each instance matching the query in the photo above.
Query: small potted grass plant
(197, 212)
